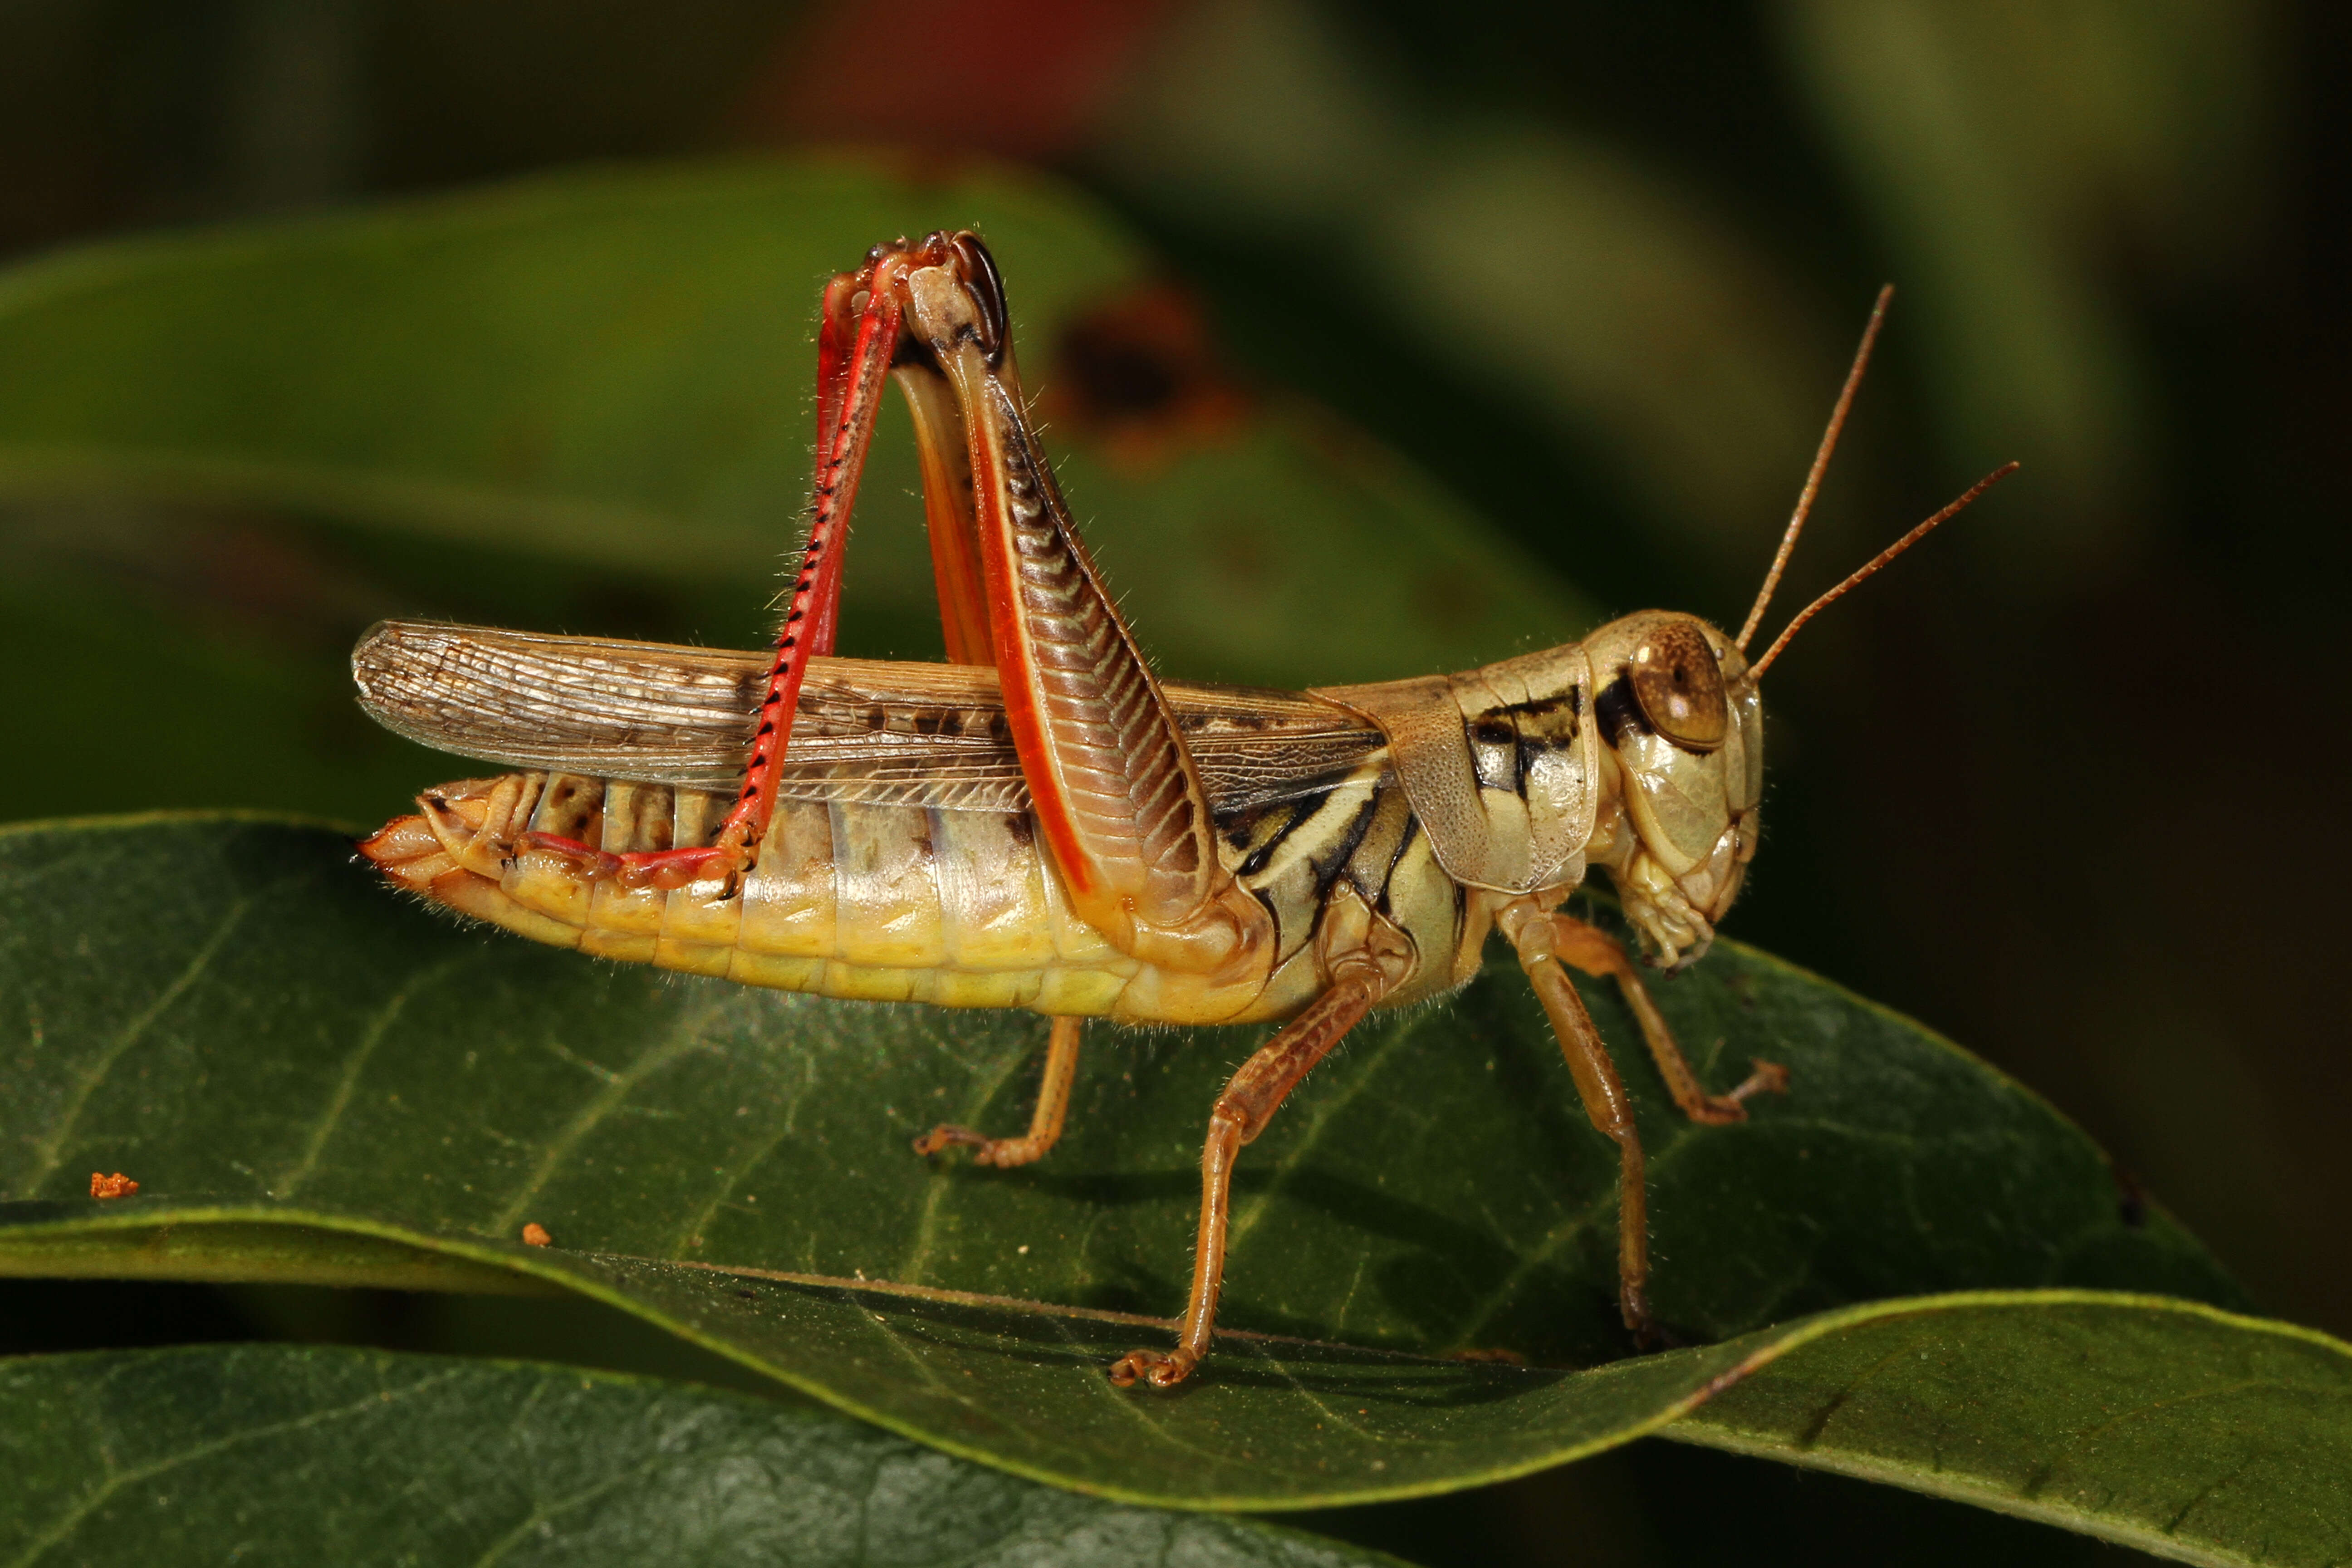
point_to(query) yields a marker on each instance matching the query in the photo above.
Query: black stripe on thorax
(1328, 873)
(1301, 810)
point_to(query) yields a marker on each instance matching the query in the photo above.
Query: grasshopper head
(1640, 750)
(1680, 723)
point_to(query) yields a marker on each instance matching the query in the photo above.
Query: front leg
(1599, 954)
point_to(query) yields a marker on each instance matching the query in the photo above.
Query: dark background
(2068, 784)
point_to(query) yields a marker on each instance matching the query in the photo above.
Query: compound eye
(1680, 686)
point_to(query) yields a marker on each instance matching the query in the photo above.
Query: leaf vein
(354, 1063)
(59, 1532)
(682, 1039)
(50, 1151)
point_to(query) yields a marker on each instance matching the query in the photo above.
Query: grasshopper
(1044, 823)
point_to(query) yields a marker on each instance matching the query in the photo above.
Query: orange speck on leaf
(117, 1185)
(535, 1235)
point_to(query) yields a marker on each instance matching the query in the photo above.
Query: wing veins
(870, 731)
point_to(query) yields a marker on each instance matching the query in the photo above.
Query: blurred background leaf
(526, 403)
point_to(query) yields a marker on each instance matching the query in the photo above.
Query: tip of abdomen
(441, 854)
(407, 850)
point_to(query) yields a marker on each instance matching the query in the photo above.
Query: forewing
(868, 731)
(646, 712)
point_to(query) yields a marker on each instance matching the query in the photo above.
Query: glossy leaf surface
(233, 1014)
(2174, 1429)
(168, 1458)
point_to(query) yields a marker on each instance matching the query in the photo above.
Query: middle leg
(1531, 933)
(1249, 1102)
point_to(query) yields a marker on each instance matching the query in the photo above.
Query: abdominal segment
(885, 902)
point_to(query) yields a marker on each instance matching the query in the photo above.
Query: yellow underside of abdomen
(886, 903)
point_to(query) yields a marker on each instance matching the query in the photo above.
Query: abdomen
(905, 903)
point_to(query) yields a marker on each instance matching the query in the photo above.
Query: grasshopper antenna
(1821, 466)
(1875, 563)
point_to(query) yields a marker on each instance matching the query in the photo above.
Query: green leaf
(2178, 1430)
(616, 369)
(271, 1454)
(315, 1081)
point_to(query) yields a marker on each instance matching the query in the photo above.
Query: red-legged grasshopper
(1043, 824)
